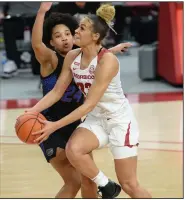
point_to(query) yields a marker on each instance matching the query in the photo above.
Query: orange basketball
(26, 124)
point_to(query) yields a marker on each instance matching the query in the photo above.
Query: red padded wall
(170, 51)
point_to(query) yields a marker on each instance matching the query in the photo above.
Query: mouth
(76, 37)
(66, 45)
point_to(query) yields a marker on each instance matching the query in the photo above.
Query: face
(84, 35)
(62, 39)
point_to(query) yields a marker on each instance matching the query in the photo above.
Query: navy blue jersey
(71, 99)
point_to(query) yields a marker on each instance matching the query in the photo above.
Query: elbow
(36, 46)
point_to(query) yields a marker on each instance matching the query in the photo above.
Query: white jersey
(112, 120)
(113, 98)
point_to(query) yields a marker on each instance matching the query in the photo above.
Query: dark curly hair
(54, 19)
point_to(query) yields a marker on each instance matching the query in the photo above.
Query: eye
(81, 28)
(57, 36)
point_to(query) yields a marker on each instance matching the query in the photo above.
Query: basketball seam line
(24, 123)
(26, 114)
(32, 128)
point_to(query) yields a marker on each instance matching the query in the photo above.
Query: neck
(61, 53)
(91, 50)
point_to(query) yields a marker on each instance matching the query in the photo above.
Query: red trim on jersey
(101, 53)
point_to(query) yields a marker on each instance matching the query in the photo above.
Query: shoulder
(70, 57)
(73, 53)
(109, 59)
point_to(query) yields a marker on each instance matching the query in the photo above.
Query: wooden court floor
(24, 173)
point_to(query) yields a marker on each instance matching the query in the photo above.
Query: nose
(64, 38)
(77, 30)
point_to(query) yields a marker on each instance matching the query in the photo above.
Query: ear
(96, 36)
(51, 43)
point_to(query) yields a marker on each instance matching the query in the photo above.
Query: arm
(57, 92)
(42, 53)
(107, 69)
(120, 48)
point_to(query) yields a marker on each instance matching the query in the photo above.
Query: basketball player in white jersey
(109, 116)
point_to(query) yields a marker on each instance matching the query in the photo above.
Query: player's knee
(72, 150)
(129, 186)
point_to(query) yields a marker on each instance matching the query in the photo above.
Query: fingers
(41, 139)
(124, 49)
(45, 138)
(38, 132)
(42, 121)
(42, 136)
(127, 45)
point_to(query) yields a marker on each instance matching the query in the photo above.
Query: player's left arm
(105, 71)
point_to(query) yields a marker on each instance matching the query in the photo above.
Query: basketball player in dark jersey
(50, 49)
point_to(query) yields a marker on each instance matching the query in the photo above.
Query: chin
(77, 43)
(63, 52)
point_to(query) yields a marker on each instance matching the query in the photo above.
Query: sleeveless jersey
(113, 98)
(71, 99)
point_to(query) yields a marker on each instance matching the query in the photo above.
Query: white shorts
(120, 133)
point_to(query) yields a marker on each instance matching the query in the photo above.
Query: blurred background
(153, 64)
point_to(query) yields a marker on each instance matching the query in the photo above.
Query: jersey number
(72, 94)
(84, 86)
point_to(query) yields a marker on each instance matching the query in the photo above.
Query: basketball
(26, 124)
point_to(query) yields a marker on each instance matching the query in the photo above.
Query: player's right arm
(43, 54)
(59, 89)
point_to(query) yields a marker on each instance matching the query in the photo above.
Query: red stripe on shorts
(127, 140)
